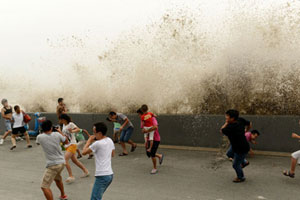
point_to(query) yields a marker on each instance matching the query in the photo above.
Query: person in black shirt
(234, 129)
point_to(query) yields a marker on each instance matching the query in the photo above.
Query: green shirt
(117, 125)
(79, 136)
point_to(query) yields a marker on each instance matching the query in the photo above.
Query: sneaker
(13, 147)
(19, 138)
(239, 180)
(29, 146)
(153, 171)
(63, 198)
(1, 141)
(86, 174)
(70, 180)
(90, 156)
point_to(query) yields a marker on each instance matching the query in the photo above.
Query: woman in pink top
(156, 142)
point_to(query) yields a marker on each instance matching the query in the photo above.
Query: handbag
(26, 118)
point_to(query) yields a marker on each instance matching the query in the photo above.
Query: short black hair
(101, 127)
(60, 100)
(144, 108)
(65, 117)
(112, 113)
(139, 111)
(233, 114)
(255, 132)
(16, 107)
(46, 126)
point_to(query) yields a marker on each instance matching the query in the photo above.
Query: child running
(69, 130)
(116, 130)
(147, 122)
(251, 138)
(19, 127)
(81, 142)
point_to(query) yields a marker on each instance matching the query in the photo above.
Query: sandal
(288, 173)
(123, 154)
(13, 147)
(133, 148)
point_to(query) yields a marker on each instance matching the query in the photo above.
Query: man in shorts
(61, 107)
(50, 142)
(126, 130)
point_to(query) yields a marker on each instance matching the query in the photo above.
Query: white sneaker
(19, 138)
(153, 171)
(1, 141)
(70, 180)
(87, 174)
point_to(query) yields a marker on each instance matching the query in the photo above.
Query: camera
(55, 128)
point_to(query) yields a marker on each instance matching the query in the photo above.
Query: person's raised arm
(124, 124)
(86, 148)
(86, 132)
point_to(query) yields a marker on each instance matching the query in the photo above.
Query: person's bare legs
(293, 165)
(48, 193)
(79, 164)
(78, 152)
(131, 143)
(27, 138)
(154, 161)
(6, 134)
(68, 155)
(60, 186)
(13, 140)
(123, 145)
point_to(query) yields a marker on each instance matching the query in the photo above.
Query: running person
(19, 127)
(6, 113)
(126, 130)
(81, 142)
(104, 150)
(50, 141)
(69, 130)
(147, 122)
(234, 129)
(116, 130)
(156, 143)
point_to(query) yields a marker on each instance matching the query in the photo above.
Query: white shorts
(296, 155)
(150, 134)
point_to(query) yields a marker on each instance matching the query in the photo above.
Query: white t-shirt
(103, 153)
(18, 120)
(71, 136)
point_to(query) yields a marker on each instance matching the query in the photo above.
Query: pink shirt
(248, 136)
(156, 133)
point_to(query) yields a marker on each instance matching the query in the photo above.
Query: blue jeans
(239, 159)
(230, 154)
(126, 134)
(100, 186)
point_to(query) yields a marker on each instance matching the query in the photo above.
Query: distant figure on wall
(61, 107)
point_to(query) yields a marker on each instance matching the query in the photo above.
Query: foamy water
(200, 58)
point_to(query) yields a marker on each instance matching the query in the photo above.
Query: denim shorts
(126, 134)
(8, 125)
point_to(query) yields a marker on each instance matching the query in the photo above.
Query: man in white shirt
(104, 149)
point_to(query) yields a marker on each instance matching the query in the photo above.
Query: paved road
(185, 175)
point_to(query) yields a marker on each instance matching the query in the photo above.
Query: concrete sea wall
(201, 130)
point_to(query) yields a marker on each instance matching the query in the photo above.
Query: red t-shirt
(156, 133)
(147, 119)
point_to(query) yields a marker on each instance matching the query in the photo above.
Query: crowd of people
(68, 137)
